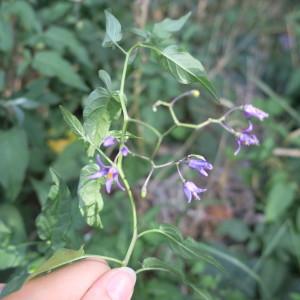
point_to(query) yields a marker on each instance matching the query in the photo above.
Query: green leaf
(155, 264)
(67, 163)
(90, 199)
(53, 12)
(17, 280)
(183, 247)
(97, 116)
(59, 221)
(235, 229)
(280, 199)
(61, 38)
(164, 28)
(105, 77)
(2, 75)
(50, 63)
(11, 257)
(226, 257)
(72, 122)
(60, 258)
(6, 34)
(184, 67)
(113, 32)
(14, 160)
(25, 14)
(12, 219)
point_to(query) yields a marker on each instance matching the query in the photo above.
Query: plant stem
(107, 258)
(129, 192)
(134, 220)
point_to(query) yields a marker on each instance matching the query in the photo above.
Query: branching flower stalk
(197, 162)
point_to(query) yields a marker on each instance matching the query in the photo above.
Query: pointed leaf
(100, 109)
(105, 77)
(15, 283)
(90, 199)
(164, 28)
(72, 122)
(6, 34)
(60, 258)
(61, 38)
(184, 67)
(96, 118)
(183, 248)
(14, 160)
(155, 264)
(113, 30)
(221, 254)
(50, 63)
(60, 219)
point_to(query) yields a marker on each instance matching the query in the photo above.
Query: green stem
(134, 219)
(129, 192)
(153, 129)
(107, 258)
(139, 271)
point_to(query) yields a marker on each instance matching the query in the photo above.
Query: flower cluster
(246, 137)
(198, 163)
(191, 190)
(109, 172)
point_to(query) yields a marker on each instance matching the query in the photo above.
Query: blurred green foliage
(51, 52)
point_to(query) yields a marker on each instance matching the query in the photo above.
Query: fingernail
(120, 285)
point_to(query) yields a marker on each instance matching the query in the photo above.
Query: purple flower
(111, 173)
(201, 165)
(191, 190)
(124, 150)
(109, 141)
(103, 169)
(246, 138)
(113, 176)
(252, 111)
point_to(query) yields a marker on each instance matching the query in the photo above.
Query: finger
(116, 284)
(70, 282)
(2, 285)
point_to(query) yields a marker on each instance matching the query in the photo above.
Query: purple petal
(121, 187)
(124, 150)
(238, 148)
(96, 175)
(109, 141)
(100, 162)
(200, 190)
(252, 111)
(249, 128)
(188, 194)
(203, 172)
(108, 185)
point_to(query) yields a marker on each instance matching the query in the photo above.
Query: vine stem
(107, 258)
(119, 163)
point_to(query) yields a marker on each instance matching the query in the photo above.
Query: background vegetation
(50, 53)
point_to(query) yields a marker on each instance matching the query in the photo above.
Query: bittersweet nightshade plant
(96, 132)
(105, 105)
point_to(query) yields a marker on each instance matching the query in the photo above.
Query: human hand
(84, 280)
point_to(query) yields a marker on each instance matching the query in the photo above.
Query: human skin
(84, 280)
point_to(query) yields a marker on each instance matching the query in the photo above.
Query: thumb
(116, 284)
